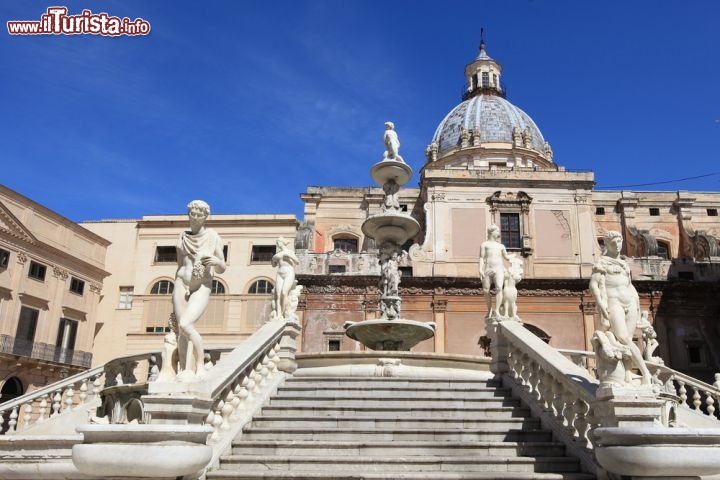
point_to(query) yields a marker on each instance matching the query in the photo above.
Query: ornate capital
(21, 258)
(439, 305)
(96, 288)
(60, 273)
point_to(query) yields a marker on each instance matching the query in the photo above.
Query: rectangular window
(77, 285)
(686, 276)
(25, 333)
(663, 250)
(126, 298)
(37, 271)
(262, 253)
(165, 255)
(4, 258)
(67, 333)
(485, 79)
(333, 345)
(336, 269)
(349, 245)
(157, 329)
(510, 230)
(600, 211)
(695, 355)
(712, 212)
(406, 271)
(654, 212)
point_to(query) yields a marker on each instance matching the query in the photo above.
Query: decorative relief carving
(563, 221)
(95, 288)
(60, 273)
(22, 258)
(581, 198)
(547, 293)
(438, 196)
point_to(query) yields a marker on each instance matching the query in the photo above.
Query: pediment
(10, 225)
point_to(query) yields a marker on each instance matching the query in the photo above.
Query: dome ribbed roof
(494, 116)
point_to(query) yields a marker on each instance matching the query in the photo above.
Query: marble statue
(199, 257)
(392, 202)
(716, 383)
(512, 276)
(294, 301)
(619, 306)
(392, 143)
(517, 137)
(285, 261)
(492, 268)
(650, 342)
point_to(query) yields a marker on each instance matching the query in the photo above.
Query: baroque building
(488, 163)
(51, 276)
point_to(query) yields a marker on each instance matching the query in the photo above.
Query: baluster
(581, 422)
(28, 414)
(682, 392)
(210, 420)
(2, 419)
(557, 402)
(13, 420)
(525, 374)
(547, 398)
(696, 399)
(83, 391)
(534, 380)
(569, 411)
(227, 409)
(42, 410)
(264, 370)
(217, 421)
(69, 398)
(275, 357)
(250, 386)
(258, 378)
(97, 383)
(57, 399)
(237, 400)
(710, 404)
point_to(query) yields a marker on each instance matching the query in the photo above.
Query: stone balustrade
(559, 392)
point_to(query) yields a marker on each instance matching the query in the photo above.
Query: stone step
(307, 391)
(408, 411)
(406, 402)
(319, 475)
(386, 464)
(394, 434)
(459, 449)
(297, 421)
(380, 382)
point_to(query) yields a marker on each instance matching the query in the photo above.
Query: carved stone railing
(558, 391)
(225, 400)
(694, 394)
(70, 394)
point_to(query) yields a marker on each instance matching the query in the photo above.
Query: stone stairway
(395, 428)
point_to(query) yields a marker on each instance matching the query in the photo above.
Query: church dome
(493, 117)
(486, 130)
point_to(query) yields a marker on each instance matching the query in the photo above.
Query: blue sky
(246, 103)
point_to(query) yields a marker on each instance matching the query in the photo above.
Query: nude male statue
(200, 257)
(618, 303)
(392, 143)
(492, 268)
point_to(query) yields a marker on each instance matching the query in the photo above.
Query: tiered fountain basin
(383, 334)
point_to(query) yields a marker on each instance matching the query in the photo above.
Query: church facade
(488, 163)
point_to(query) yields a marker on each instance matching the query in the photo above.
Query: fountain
(390, 230)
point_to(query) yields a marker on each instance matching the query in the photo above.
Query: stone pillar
(627, 406)
(499, 346)
(288, 347)
(439, 308)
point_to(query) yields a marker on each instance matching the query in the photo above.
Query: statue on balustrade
(510, 294)
(200, 257)
(619, 306)
(285, 261)
(492, 270)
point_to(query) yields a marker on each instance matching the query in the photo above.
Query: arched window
(663, 249)
(345, 244)
(261, 287)
(217, 288)
(162, 287)
(12, 388)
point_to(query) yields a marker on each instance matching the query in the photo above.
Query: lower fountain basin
(390, 335)
(658, 451)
